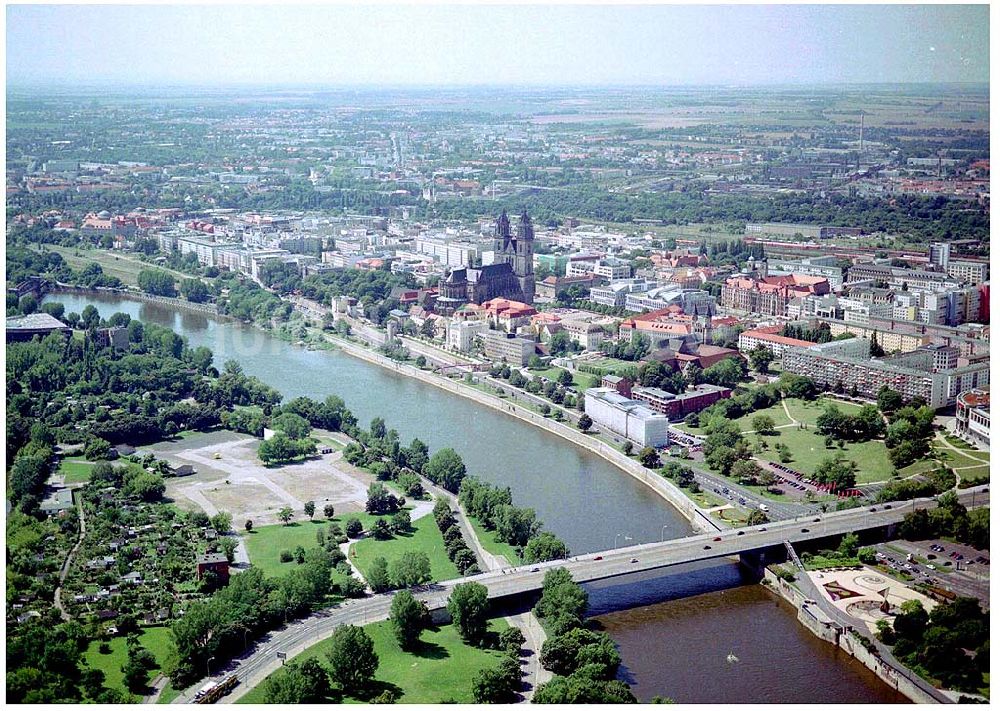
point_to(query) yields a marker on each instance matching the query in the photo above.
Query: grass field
(75, 470)
(442, 669)
(809, 451)
(168, 694)
(581, 381)
(156, 639)
(489, 542)
(124, 266)
(611, 366)
(424, 536)
(264, 544)
(808, 448)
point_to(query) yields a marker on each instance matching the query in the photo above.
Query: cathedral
(510, 276)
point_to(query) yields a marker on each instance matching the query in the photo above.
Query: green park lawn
(156, 639)
(264, 544)
(76, 470)
(581, 381)
(443, 668)
(809, 451)
(423, 536)
(488, 541)
(775, 412)
(611, 366)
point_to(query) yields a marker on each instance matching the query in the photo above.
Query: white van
(763, 507)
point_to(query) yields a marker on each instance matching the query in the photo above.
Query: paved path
(156, 688)
(969, 453)
(69, 560)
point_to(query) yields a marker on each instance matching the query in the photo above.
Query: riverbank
(813, 619)
(207, 309)
(661, 486)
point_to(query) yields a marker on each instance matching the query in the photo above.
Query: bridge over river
(750, 544)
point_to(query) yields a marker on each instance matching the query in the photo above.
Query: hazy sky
(523, 44)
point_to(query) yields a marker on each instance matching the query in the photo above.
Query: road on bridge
(295, 637)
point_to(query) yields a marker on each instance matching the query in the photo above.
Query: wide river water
(676, 648)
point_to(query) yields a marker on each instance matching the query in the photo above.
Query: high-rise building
(939, 254)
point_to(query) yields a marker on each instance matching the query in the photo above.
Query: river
(676, 648)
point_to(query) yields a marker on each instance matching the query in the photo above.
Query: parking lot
(954, 567)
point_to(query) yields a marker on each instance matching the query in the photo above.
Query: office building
(629, 418)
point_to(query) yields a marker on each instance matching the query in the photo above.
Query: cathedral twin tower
(510, 276)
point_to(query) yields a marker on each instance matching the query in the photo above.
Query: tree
(446, 469)
(649, 458)
(511, 640)
(156, 281)
(627, 448)
(400, 522)
(285, 514)
(585, 423)
(353, 527)
(848, 547)
(888, 400)
(545, 546)
(756, 518)
(380, 530)
(561, 597)
(222, 522)
(293, 425)
(248, 525)
(97, 448)
(875, 348)
(378, 575)
(380, 501)
(352, 658)
(407, 618)
(760, 358)
(411, 568)
(911, 621)
(468, 606)
(228, 546)
(309, 508)
(293, 683)
(837, 471)
(728, 372)
(763, 425)
(194, 290)
(495, 686)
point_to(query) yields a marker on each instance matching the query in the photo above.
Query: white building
(629, 418)
(461, 334)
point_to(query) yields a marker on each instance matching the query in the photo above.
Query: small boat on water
(731, 658)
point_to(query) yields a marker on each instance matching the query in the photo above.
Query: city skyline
(427, 45)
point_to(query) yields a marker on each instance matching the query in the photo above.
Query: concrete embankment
(698, 518)
(813, 619)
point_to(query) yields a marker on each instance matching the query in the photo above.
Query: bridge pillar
(753, 562)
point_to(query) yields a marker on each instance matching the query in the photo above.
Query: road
(297, 636)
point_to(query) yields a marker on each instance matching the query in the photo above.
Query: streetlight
(208, 664)
(662, 529)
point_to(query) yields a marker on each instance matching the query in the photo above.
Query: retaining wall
(698, 518)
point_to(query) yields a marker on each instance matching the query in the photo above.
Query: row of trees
(519, 527)
(454, 542)
(584, 661)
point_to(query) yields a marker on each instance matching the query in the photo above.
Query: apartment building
(769, 337)
(846, 366)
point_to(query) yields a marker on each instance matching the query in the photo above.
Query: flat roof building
(631, 419)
